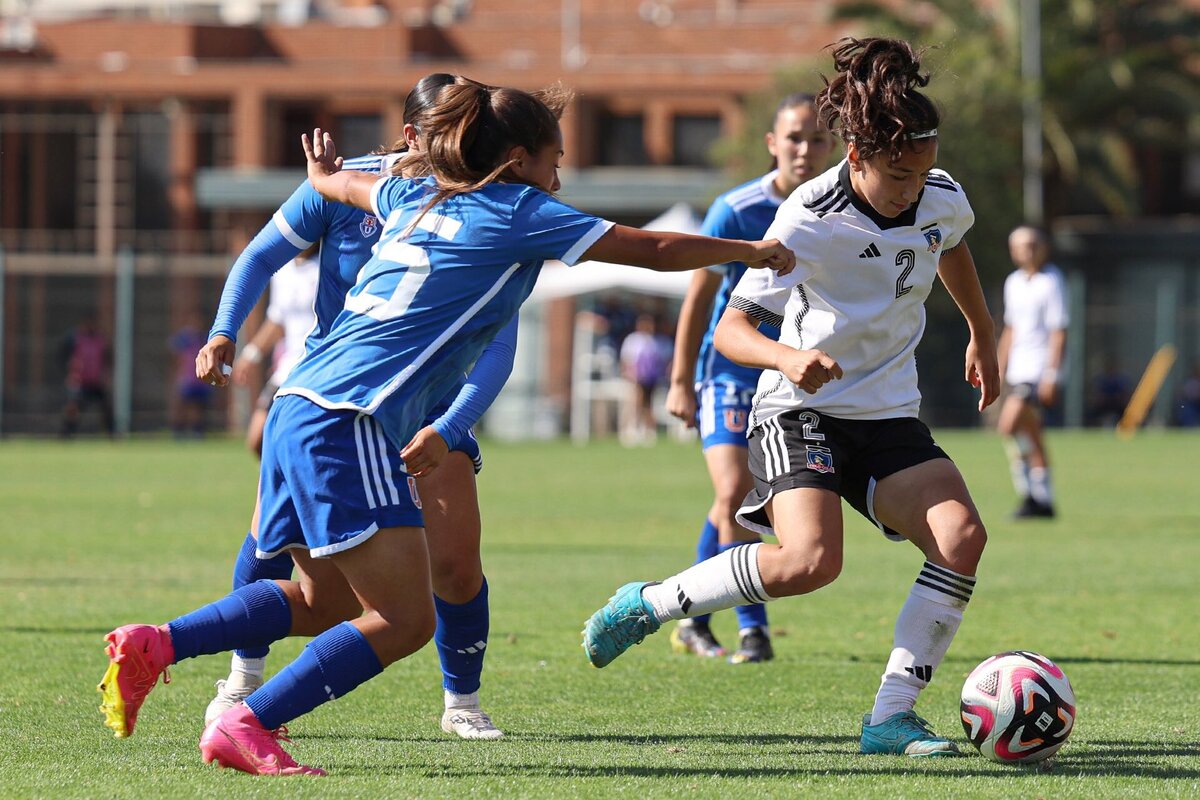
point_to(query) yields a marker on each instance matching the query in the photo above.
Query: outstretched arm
(326, 175)
(664, 251)
(956, 268)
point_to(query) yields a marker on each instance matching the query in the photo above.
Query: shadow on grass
(1102, 758)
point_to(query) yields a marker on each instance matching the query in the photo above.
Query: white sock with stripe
(926, 626)
(726, 580)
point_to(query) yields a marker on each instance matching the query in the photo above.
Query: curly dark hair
(873, 100)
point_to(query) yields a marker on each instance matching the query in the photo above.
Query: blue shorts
(723, 409)
(329, 480)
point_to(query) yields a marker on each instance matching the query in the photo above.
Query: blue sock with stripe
(252, 616)
(461, 639)
(250, 568)
(331, 666)
(748, 616)
(706, 548)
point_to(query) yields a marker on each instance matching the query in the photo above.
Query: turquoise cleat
(903, 734)
(624, 622)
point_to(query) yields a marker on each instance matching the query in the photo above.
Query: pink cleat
(137, 655)
(237, 739)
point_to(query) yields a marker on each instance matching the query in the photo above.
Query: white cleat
(470, 723)
(236, 688)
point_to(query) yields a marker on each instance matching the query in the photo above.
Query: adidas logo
(685, 602)
(871, 252)
(923, 672)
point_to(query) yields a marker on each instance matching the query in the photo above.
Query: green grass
(96, 534)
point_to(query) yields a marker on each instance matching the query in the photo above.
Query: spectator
(192, 395)
(1111, 390)
(1189, 399)
(644, 365)
(86, 354)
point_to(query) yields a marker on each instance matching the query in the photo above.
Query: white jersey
(293, 295)
(858, 293)
(1035, 305)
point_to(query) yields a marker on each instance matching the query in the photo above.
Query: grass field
(95, 535)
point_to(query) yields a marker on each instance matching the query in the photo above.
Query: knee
(456, 580)
(807, 573)
(336, 611)
(964, 549)
(404, 633)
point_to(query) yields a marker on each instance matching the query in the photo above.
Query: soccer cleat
(236, 739)
(1032, 509)
(470, 723)
(754, 647)
(624, 622)
(903, 734)
(690, 636)
(137, 655)
(236, 688)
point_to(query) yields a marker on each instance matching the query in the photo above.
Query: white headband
(929, 134)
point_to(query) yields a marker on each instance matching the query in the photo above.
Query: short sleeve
(964, 218)
(387, 194)
(722, 222)
(1057, 315)
(547, 228)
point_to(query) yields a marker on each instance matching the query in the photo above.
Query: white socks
(461, 701)
(926, 626)
(726, 580)
(1039, 485)
(252, 667)
(1018, 467)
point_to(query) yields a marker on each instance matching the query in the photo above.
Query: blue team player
(448, 492)
(458, 254)
(709, 390)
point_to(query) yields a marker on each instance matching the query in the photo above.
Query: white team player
(835, 415)
(1032, 353)
(290, 319)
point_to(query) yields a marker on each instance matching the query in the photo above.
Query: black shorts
(1028, 392)
(847, 456)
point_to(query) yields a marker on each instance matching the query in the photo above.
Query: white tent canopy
(559, 280)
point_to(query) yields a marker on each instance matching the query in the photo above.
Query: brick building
(156, 129)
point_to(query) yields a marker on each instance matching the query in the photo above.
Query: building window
(692, 139)
(622, 140)
(359, 134)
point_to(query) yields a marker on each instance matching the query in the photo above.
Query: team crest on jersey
(820, 459)
(735, 420)
(934, 238)
(369, 224)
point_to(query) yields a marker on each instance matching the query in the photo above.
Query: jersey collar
(905, 220)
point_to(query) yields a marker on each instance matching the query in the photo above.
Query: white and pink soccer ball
(1018, 707)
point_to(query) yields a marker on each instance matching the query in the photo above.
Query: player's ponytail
(874, 100)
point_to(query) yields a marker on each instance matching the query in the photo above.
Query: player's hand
(809, 369)
(214, 359)
(244, 370)
(425, 452)
(321, 155)
(772, 255)
(681, 403)
(983, 370)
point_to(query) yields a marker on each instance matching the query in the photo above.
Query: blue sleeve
(723, 222)
(544, 227)
(299, 222)
(487, 378)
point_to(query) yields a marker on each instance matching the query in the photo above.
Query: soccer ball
(1018, 707)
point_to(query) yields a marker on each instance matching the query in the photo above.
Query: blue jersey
(744, 212)
(438, 288)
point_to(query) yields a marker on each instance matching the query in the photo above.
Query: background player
(836, 409)
(290, 317)
(1032, 349)
(720, 389)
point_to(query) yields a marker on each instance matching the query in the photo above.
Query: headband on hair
(929, 134)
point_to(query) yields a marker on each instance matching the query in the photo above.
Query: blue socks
(748, 616)
(331, 666)
(461, 639)
(706, 548)
(252, 616)
(250, 568)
